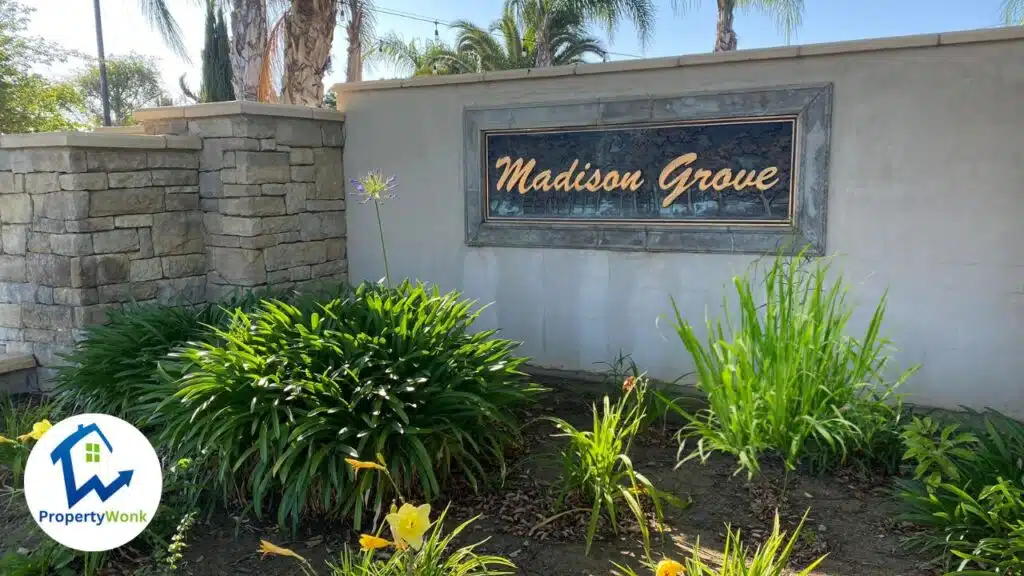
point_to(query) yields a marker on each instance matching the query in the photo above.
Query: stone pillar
(272, 191)
(89, 222)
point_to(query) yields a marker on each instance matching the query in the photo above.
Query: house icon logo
(93, 482)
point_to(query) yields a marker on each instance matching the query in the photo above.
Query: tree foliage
(30, 102)
(133, 82)
(217, 86)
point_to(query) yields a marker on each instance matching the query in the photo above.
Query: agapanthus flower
(374, 186)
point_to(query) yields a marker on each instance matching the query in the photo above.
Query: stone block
(116, 160)
(17, 292)
(91, 315)
(99, 270)
(237, 266)
(288, 237)
(39, 242)
(182, 189)
(48, 160)
(187, 265)
(145, 244)
(147, 269)
(278, 224)
(42, 182)
(14, 238)
(177, 233)
(15, 208)
(303, 174)
(261, 168)
(49, 269)
(210, 128)
(11, 183)
(321, 225)
(49, 225)
(126, 201)
(297, 132)
(64, 205)
(253, 127)
(330, 174)
(179, 202)
(40, 316)
(190, 290)
(83, 181)
(273, 189)
(133, 221)
(90, 224)
(44, 295)
(173, 159)
(295, 197)
(324, 205)
(140, 179)
(257, 242)
(329, 268)
(252, 206)
(71, 244)
(278, 276)
(210, 185)
(334, 134)
(223, 241)
(219, 153)
(127, 292)
(175, 178)
(209, 205)
(242, 190)
(10, 315)
(335, 248)
(46, 336)
(268, 144)
(301, 272)
(113, 241)
(232, 225)
(12, 269)
(75, 296)
(300, 156)
(288, 255)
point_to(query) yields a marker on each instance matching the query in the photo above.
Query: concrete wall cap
(236, 108)
(997, 34)
(98, 140)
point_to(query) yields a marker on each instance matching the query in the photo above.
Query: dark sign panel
(728, 172)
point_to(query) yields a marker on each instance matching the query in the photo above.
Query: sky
(70, 22)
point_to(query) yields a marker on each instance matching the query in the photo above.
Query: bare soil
(850, 517)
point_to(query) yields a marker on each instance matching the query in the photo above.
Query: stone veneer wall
(215, 198)
(272, 191)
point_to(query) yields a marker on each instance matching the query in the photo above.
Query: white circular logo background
(93, 482)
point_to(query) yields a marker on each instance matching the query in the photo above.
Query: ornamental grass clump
(597, 470)
(286, 393)
(787, 380)
(419, 546)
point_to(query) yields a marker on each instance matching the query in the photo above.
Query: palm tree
(608, 13)
(248, 45)
(414, 58)
(788, 15)
(1013, 12)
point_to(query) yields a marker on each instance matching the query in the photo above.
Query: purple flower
(374, 186)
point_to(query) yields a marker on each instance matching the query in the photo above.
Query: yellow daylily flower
(358, 465)
(669, 568)
(38, 429)
(409, 523)
(268, 548)
(371, 542)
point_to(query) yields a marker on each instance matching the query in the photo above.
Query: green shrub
(286, 393)
(788, 380)
(597, 469)
(769, 559)
(968, 493)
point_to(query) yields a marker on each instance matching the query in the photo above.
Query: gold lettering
(680, 183)
(704, 175)
(632, 180)
(594, 183)
(563, 178)
(515, 172)
(577, 184)
(765, 174)
(739, 183)
(611, 181)
(722, 179)
(542, 181)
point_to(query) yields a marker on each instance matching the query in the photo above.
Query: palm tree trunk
(354, 65)
(248, 44)
(542, 39)
(725, 36)
(309, 34)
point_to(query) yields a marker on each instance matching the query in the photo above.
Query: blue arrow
(94, 484)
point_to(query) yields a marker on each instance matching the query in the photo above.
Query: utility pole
(104, 91)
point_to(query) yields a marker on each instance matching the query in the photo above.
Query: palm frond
(273, 61)
(788, 14)
(161, 19)
(1013, 12)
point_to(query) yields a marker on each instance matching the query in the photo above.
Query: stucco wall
(925, 199)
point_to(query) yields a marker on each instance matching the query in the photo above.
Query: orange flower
(268, 548)
(358, 465)
(669, 568)
(371, 542)
(628, 384)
